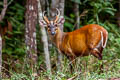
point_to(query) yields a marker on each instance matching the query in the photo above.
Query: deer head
(52, 25)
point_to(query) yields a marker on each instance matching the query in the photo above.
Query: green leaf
(72, 15)
(69, 19)
(18, 32)
(68, 24)
(110, 12)
(111, 9)
(76, 1)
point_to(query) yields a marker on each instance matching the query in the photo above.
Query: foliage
(14, 45)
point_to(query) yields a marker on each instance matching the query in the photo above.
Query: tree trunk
(77, 17)
(54, 5)
(119, 5)
(2, 15)
(60, 5)
(44, 39)
(0, 57)
(3, 10)
(30, 32)
(118, 21)
(5, 6)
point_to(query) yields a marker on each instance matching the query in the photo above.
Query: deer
(88, 40)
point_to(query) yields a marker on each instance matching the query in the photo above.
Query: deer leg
(72, 63)
(101, 67)
(98, 55)
(72, 59)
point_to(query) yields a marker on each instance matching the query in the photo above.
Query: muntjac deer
(89, 39)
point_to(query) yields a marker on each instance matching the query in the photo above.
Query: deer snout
(53, 31)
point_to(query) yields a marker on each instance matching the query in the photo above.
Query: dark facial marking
(52, 27)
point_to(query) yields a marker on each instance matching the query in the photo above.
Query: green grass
(87, 68)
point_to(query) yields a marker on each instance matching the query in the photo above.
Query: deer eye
(55, 25)
(48, 29)
(48, 25)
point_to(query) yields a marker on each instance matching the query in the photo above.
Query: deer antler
(57, 17)
(45, 18)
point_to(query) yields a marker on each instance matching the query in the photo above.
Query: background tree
(0, 57)
(44, 38)
(118, 14)
(2, 15)
(77, 15)
(30, 31)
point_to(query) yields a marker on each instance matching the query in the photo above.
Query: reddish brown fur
(89, 39)
(81, 42)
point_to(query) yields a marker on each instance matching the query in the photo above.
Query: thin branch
(44, 39)
(74, 77)
(3, 12)
(81, 15)
(0, 57)
(9, 3)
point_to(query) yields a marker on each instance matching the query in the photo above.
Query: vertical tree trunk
(54, 5)
(0, 57)
(43, 4)
(119, 5)
(2, 15)
(44, 39)
(3, 10)
(77, 17)
(60, 5)
(118, 21)
(30, 32)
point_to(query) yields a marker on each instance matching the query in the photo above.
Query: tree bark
(44, 39)
(3, 10)
(77, 17)
(5, 5)
(54, 5)
(0, 57)
(30, 32)
(60, 5)
(118, 21)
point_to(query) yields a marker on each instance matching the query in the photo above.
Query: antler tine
(45, 18)
(58, 12)
(44, 13)
(57, 17)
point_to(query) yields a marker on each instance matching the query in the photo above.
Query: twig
(3, 10)
(81, 15)
(5, 5)
(10, 2)
(84, 13)
(72, 78)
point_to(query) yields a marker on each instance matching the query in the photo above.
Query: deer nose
(52, 33)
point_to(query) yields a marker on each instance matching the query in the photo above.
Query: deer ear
(61, 20)
(43, 23)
